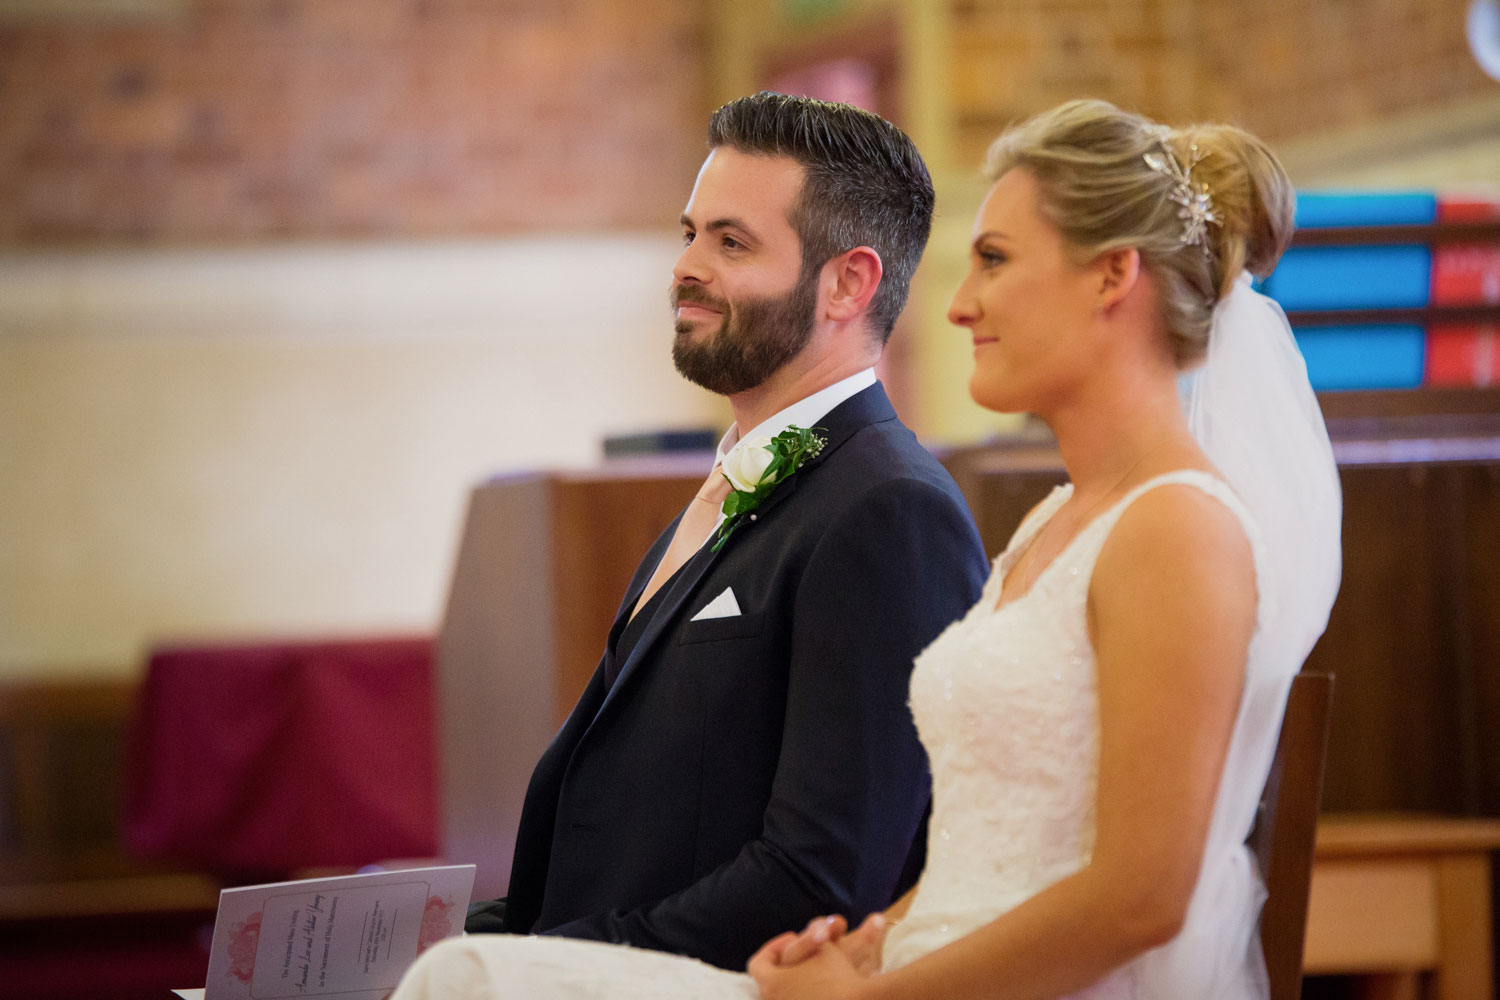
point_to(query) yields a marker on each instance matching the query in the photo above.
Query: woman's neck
(1111, 433)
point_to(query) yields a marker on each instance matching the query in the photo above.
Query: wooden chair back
(1286, 826)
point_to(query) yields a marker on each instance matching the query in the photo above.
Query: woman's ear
(851, 279)
(1118, 273)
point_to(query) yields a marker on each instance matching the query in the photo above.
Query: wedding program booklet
(353, 936)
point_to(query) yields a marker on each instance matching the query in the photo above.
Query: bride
(1101, 723)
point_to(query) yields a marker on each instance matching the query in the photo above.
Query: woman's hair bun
(1252, 196)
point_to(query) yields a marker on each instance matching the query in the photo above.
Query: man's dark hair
(866, 184)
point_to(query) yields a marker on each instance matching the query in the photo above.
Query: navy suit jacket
(746, 774)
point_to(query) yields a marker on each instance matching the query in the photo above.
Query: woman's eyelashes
(989, 257)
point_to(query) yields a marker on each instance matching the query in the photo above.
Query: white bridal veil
(1253, 411)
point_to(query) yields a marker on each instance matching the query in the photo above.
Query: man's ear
(851, 279)
(1118, 272)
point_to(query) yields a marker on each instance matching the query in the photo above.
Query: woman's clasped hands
(826, 961)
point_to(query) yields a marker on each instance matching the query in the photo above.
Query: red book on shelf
(1463, 354)
(1466, 274)
(1460, 208)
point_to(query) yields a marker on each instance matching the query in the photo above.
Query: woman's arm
(1171, 610)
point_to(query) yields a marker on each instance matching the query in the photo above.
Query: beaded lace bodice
(1006, 704)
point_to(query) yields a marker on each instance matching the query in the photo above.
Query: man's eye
(730, 243)
(687, 237)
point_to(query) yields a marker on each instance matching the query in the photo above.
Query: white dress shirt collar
(804, 412)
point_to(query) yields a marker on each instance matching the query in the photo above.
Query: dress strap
(1217, 488)
(1206, 482)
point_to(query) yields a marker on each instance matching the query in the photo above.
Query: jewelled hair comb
(1195, 205)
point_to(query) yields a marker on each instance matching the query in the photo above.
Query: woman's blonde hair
(1089, 159)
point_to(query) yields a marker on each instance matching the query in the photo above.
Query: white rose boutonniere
(756, 465)
(746, 465)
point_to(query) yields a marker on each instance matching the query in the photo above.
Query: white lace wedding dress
(1006, 704)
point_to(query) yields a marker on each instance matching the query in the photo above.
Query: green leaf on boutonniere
(789, 450)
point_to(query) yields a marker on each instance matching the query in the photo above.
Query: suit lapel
(869, 406)
(643, 574)
(679, 589)
(866, 407)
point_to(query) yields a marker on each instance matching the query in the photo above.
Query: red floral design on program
(243, 939)
(437, 923)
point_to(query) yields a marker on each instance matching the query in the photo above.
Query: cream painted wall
(270, 442)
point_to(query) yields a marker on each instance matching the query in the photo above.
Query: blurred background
(281, 281)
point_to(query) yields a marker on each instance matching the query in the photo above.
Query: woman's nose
(962, 310)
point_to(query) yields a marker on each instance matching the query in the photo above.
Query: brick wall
(248, 119)
(1283, 68)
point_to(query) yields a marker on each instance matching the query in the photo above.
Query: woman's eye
(990, 258)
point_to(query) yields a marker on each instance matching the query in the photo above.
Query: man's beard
(754, 339)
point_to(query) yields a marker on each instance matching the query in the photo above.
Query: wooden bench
(1404, 903)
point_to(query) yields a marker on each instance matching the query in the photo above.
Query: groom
(743, 758)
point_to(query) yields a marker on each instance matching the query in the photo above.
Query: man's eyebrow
(729, 222)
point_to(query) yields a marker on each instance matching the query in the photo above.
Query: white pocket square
(723, 606)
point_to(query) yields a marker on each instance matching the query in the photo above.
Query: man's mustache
(695, 293)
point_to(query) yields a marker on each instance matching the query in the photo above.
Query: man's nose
(689, 268)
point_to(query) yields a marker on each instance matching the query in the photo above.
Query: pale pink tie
(692, 531)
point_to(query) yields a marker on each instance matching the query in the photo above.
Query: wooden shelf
(1421, 315)
(1424, 410)
(1427, 233)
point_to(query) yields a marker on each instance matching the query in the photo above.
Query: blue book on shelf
(1363, 357)
(1352, 277)
(1329, 209)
